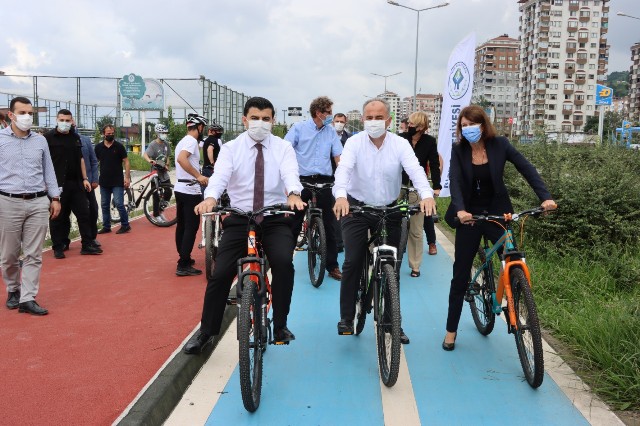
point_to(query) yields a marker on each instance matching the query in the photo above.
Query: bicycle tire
(250, 352)
(301, 240)
(128, 205)
(317, 251)
(167, 206)
(388, 326)
(481, 304)
(211, 245)
(404, 238)
(528, 337)
(363, 297)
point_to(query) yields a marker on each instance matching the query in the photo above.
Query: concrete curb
(157, 402)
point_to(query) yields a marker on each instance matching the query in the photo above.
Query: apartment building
(634, 84)
(495, 79)
(563, 56)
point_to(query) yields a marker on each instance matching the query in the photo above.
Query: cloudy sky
(289, 51)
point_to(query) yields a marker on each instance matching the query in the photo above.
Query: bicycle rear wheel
(129, 206)
(363, 297)
(250, 347)
(388, 326)
(167, 212)
(528, 336)
(481, 301)
(211, 244)
(317, 251)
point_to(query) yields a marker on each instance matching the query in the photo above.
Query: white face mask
(375, 128)
(259, 130)
(162, 136)
(339, 126)
(23, 121)
(64, 126)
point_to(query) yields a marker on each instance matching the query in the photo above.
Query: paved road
(326, 379)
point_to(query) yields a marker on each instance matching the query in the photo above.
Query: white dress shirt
(189, 144)
(374, 176)
(235, 169)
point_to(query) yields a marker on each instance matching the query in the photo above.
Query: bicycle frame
(142, 189)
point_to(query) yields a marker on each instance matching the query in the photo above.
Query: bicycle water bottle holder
(141, 188)
(497, 309)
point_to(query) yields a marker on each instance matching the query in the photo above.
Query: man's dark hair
(260, 103)
(320, 104)
(108, 126)
(340, 115)
(20, 99)
(65, 111)
(405, 120)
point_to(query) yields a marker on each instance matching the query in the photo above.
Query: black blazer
(499, 151)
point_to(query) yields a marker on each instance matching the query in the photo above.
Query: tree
(612, 120)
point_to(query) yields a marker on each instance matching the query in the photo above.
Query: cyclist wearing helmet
(211, 149)
(158, 152)
(187, 157)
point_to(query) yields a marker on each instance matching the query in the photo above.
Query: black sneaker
(90, 249)
(282, 335)
(59, 254)
(104, 231)
(187, 271)
(123, 229)
(345, 327)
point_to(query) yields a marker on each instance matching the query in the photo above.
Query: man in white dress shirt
(235, 171)
(370, 173)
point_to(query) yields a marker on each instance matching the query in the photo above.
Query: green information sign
(132, 86)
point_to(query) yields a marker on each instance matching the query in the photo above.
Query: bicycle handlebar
(508, 217)
(273, 209)
(189, 182)
(385, 210)
(309, 185)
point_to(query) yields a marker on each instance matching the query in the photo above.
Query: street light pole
(415, 77)
(385, 78)
(628, 16)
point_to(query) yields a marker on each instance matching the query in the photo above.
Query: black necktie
(258, 183)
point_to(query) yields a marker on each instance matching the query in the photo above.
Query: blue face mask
(327, 121)
(472, 133)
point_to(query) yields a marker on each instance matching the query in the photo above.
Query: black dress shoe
(187, 271)
(123, 229)
(404, 339)
(32, 308)
(104, 231)
(96, 243)
(59, 254)
(13, 299)
(90, 249)
(197, 343)
(449, 346)
(282, 335)
(345, 327)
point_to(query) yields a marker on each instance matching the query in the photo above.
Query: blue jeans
(105, 203)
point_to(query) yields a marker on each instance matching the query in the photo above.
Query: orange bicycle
(514, 283)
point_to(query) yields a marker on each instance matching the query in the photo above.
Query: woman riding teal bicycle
(476, 174)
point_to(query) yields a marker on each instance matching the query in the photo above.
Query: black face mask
(109, 138)
(411, 131)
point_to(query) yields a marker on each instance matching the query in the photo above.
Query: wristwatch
(294, 193)
(55, 199)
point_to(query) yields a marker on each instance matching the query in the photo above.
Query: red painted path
(113, 321)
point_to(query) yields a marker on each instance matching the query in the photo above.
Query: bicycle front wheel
(481, 301)
(129, 205)
(388, 326)
(210, 244)
(250, 342)
(528, 336)
(317, 251)
(165, 212)
(363, 297)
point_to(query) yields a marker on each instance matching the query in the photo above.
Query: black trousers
(277, 241)
(73, 199)
(187, 226)
(324, 201)
(468, 239)
(429, 229)
(93, 213)
(355, 230)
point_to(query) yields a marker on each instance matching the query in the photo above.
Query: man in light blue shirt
(315, 142)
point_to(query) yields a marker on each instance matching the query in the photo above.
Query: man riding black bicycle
(157, 154)
(370, 173)
(257, 169)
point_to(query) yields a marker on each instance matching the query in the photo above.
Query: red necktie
(258, 183)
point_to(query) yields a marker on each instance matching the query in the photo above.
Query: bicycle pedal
(279, 343)
(345, 333)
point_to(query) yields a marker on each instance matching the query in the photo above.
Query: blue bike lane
(325, 379)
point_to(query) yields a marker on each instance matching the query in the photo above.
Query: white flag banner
(456, 95)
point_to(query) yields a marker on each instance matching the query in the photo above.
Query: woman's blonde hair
(420, 120)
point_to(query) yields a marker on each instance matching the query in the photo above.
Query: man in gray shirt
(157, 154)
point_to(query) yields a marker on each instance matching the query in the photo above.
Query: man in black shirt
(112, 155)
(65, 148)
(211, 149)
